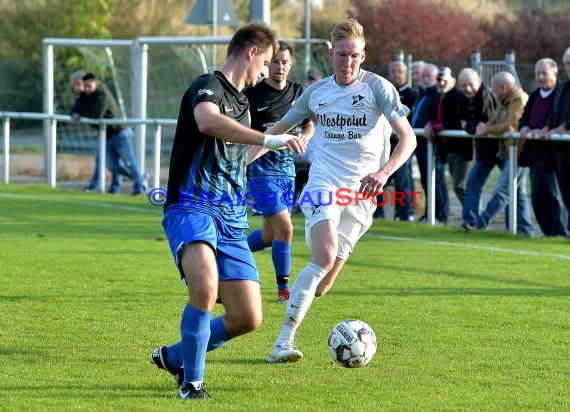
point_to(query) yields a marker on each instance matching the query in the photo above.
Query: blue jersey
(268, 106)
(205, 171)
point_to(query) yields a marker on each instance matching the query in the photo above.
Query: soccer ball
(352, 343)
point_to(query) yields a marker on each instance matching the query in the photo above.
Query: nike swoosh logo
(260, 109)
(321, 104)
(229, 110)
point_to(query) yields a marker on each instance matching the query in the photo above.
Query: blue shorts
(271, 195)
(233, 256)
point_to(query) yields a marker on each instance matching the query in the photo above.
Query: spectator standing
(546, 198)
(456, 152)
(476, 103)
(424, 109)
(76, 79)
(97, 102)
(402, 178)
(511, 100)
(560, 123)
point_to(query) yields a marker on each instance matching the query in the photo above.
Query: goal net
(169, 69)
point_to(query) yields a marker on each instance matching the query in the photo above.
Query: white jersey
(352, 131)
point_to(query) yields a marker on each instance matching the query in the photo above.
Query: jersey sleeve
(388, 99)
(300, 112)
(206, 89)
(300, 91)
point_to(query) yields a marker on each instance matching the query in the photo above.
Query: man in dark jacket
(476, 104)
(560, 123)
(547, 204)
(97, 102)
(457, 152)
(423, 110)
(403, 180)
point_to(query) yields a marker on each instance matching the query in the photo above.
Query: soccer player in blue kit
(271, 178)
(204, 217)
(355, 112)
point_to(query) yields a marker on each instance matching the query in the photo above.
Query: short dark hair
(253, 34)
(284, 46)
(314, 74)
(89, 76)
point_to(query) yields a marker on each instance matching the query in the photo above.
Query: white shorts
(352, 220)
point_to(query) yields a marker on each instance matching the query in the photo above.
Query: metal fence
(50, 144)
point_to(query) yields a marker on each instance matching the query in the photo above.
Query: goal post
(148, 77)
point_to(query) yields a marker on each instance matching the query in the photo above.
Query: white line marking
(464, 246)
(472, 246)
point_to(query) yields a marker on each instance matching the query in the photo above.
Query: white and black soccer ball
(352, 343)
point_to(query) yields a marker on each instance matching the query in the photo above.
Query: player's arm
(405, 147)
(296, 145)
(213, 123)
(307, 131)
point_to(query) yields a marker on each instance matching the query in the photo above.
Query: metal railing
(512, 161)
(50, 143)
(51, 140)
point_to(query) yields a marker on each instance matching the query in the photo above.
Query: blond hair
(348, 29)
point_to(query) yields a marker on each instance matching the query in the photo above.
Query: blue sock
(254, 241)
(218, 337)
(218, 333)
(174, 355)
(195, 332)
(281, 254)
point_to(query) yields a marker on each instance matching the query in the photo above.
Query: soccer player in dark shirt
(271, 178)
(205, 215)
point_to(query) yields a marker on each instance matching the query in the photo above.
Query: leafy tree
(23, 25)
(427, 29)
(533, 34)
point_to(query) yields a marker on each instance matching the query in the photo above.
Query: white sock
(302, 295)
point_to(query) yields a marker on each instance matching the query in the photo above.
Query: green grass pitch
(476, 321)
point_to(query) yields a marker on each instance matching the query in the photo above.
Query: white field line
(471, 246)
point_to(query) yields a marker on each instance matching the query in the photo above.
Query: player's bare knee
(325, 259)
(204, 299)
(243, 322)
(284, 232)
(288, 232)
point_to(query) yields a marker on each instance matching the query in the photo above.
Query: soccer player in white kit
(354, 112)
